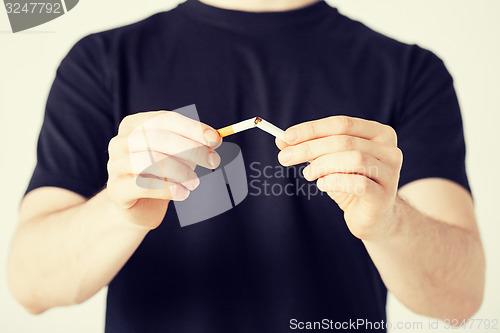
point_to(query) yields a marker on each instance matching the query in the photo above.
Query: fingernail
(179, 192)
(210, 137)
(319, 183)
(285, 156)
(195, 183)
(305, 172)
(290, 135)
(213, 159)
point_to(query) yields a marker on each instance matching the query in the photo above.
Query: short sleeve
(429, 126)
(78, 124)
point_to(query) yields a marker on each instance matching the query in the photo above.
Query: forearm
(434, 268)
(66, 257)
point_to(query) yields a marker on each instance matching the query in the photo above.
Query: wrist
(391, 225)
(130, 218)
(395, 221)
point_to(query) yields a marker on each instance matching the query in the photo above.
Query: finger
(127, 191)
(118, 150)
(147, 183)
(186, 127)
(139, 161)
(169, 143)
(350, 162)
(167, 167)
(310, 150)
(354, 184)
(131, 122)
(153, 188)
(340, 125)
(280, 143)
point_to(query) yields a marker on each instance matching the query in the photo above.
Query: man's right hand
(152, 161)
(83, 242)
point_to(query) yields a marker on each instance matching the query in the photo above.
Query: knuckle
(397, 156)
(126, 123)
(347, 142)
(312, 130)
(344, 123)
(115, 168)
(110, 167)
(171, 116)
(111, 180)
(358, 157)
(391, 133)
(307, 150)
(114, 146)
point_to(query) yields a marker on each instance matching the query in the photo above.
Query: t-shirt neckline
(302, 16)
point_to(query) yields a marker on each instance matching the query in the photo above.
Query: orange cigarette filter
(226, 131)
(238, 127)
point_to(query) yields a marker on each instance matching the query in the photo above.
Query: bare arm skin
(66, 248)
(433, 262)
(423, 238)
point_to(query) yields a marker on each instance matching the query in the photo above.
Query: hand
(152, 161)
(356, 161)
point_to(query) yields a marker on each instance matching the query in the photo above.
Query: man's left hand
(356, 162)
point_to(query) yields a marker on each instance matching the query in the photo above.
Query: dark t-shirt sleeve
(78, 124)
(429, 127)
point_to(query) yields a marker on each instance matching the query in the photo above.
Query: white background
(465, 34)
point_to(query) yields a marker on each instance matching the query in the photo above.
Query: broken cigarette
(269, 128)
(251, 123)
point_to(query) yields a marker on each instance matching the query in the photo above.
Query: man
(354, 103)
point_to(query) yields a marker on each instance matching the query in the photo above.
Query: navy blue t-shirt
(276, 257)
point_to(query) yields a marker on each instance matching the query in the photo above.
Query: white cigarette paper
(243, 125)
(270, 128)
